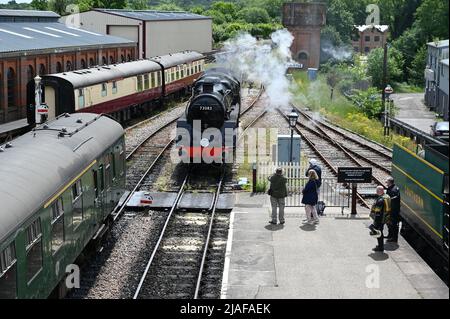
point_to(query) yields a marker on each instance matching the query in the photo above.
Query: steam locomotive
(206, 132)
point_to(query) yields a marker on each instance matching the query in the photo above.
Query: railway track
(334, 154)
(182, 262)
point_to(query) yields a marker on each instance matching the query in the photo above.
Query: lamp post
(388, 90)
(293, 116)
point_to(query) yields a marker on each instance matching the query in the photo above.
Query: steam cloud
(337, 53)
(262, 62)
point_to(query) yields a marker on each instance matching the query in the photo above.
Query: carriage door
(97, 193)
(108, 188)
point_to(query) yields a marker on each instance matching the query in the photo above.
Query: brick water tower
(304, 21)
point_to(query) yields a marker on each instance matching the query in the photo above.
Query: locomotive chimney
(208, 87)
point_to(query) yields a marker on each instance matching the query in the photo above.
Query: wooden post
(354, 186)
(254, 178)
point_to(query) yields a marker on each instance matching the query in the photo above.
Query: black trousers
(380, 240)
(393, 226)
(380, 228)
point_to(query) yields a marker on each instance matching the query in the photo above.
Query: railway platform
(331, 260)
(12, 128)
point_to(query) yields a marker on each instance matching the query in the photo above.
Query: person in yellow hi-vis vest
(380, 213)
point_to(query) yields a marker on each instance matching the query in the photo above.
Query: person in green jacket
(278, 193)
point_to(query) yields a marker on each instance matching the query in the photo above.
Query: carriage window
(174, 74)
(182, 72)
(102, 180)
(113, 161)
(94, 173)
(178, 72)
(34, 249)
(139, 83)
(114, 87)
(77, 207)
(57, 225)
(80, 98)
(104, 89)
(8, 281)
(146, 82)
(159, 80)
(153, 76)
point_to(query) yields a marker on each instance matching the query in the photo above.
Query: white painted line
(16, 34)
(81, 30)
(61, 31)
(43, 32)
(226, 268)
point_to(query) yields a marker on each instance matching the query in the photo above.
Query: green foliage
(137, 4)
(167, 7)
(418, 66)
(341, 19)
(261, 186)
(432, 18)
(375, 66)
(39, 5)
(254, 15)
(369, 102)
(58, 6)
(226, 8)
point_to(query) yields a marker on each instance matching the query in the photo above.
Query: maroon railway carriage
(118, 89)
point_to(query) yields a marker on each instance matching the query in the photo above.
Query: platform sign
(354, 174)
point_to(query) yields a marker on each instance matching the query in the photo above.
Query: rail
(161, 236)
(208, 236)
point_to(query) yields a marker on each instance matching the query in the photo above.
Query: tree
(58, 6)
(418, 66)
(39, 5)
(408, 44)
(375, 66)
(167, 7)
(254, 15)
(226, 8)
(432, 18)
(340, 17)
(138, 4)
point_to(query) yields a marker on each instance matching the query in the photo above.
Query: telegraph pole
(383, 95)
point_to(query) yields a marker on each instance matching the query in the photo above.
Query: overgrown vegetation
(362, 119)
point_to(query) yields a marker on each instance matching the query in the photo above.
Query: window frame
(104, 89)
(81, 97)
(30, 244)
(139, 83)
(75, 199)
(6, 267)
(114, 87)
(146, 81)
(54, 221)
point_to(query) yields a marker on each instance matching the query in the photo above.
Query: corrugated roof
(28, 13)
(153, 15)
(381, 28)
(27, 36)
(439, 44)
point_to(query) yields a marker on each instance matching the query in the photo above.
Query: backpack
(387, 209)
(320, 207)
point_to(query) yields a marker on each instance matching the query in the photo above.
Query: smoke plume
(262, 62)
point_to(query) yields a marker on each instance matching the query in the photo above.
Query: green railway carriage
(58, 185)
(423, 182)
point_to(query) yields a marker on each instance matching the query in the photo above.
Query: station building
(305, 21)
(34, 42)
(369, 37)
(436, 78)
(156, 32)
